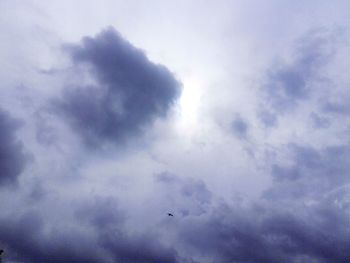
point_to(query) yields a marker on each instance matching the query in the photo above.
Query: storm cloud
(287, 84)
(238, 129)
(12, 156)
(303, 217)
(96, 233)
(130, 92)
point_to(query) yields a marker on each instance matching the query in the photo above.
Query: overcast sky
(233, 116)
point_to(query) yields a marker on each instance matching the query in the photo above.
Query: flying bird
(169, 214)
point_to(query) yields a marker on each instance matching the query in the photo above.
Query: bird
(170, 214)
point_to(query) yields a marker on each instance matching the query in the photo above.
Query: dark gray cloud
(25, 240)
(268, 118)
(130, 93)
(240, 127)
(302, 217)
(278, 229)
(29, 236)
(112, 236)
(319, 122)
(189, 187)
(283, 227)
(311, 172)
(340, 108)
(12, 156)
(266, 234)
(143, 249)
(288, 84)
(113, 212)
(98, 235)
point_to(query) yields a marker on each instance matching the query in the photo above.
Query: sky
(232, 116)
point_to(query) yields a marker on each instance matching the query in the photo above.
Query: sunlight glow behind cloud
(189, 105)
(233, 116)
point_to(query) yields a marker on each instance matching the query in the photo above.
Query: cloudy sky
(231, 115)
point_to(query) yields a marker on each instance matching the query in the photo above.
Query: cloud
(185, 196)
(273, 231)
(319, 122)
(301, 217)
(289, 83)
(12, 156)
(340, 108)
(267, 118)
(77, 205)
(27, 241)
(311, 172)
(97, 233)
(240, 127)
(130, 92)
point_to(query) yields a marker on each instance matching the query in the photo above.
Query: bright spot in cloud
(189, 104)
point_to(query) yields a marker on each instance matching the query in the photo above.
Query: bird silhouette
(169, 214)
